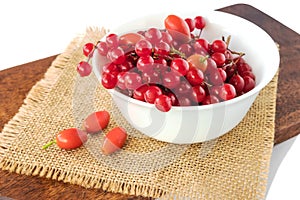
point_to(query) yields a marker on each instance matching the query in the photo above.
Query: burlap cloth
(234, 166)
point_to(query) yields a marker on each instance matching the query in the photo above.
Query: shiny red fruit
(180, 66)
(96, 121)
(84, 68)
(200, 22)
(227, 92)
(163, 103)
(71, 138)
(114, 140)
(152, 93)
(178, 28)
(87, 49)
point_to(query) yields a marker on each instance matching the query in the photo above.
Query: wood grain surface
(16, 82)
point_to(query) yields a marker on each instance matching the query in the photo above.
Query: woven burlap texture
(234, 166)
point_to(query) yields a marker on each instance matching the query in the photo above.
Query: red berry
(125, 66)
(211, 66)
(152, 93)
(110, 68)
(143, 48)
(187, 49)
(145, 63)
(171, 80)
(201, 45)
(248, 73)
(219, 46)
(199, 22)
(84, 68)
(249, 84)
(227, 92)
(116, 55)
(219, 58)
(109, 80)
(215, 78)
(195, 76)
(102, 48)
(151, 77)
(88, 48)
(198, 93)
(191, 23)
(238, 82)
(163, 103)
(112, 40)
(183, 89)
(71, 138)
(162, 48)
(140, 92)
(184, 101)
(97, 121)
(210, 99)
(174, 100)
(222, 74)
(132, 80)
(121, 80)
(153, 35)
(166, 37)
(180, 65)
(243, 67)
(161, 61)
(114, 140)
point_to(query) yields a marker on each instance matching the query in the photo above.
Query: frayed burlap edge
(82, 180)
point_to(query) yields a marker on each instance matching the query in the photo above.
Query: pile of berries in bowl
(184, 78)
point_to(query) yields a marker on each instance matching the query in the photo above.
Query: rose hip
(114, 140)
(96, 121)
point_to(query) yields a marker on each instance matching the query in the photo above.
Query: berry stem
(199, 35)
(49, 144)
(228, 40)
(203, 59)
(175, 51)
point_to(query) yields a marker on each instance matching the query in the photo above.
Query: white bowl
(193, 124)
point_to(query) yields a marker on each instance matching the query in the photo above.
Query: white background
(30, 30)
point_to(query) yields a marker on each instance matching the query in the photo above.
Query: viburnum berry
(116, 55)
(153, 35)
(210, 99)
(238, 82)
(139, 93)
(84, 68)
(109, 81)
(227, 92)
(195, 76)
(152, 93)
(199, 22)
(112, 40)
(87, 49)
(180, 65)
(132, 80)
(218, 46)
(102, 48)
(163, 103)
(191, 23)
(143, 48)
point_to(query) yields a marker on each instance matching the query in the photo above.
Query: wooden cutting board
(16, 82)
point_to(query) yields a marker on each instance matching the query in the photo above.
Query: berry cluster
(162, 68)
